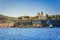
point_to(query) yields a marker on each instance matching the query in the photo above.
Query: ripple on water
(29, 33)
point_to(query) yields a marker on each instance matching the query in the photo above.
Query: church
(41, 16)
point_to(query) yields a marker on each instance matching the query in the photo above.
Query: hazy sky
(17, 8)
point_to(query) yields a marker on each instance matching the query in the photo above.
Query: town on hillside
(38, 21)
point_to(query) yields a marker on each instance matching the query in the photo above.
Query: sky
(16, 8)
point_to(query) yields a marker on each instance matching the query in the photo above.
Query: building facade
(40, 16)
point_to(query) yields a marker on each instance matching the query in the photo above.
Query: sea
(29, 33)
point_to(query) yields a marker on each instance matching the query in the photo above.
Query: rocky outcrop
(6, 25)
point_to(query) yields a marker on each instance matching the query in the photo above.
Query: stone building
(41, 16)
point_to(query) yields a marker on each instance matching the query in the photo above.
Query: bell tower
(41, 13)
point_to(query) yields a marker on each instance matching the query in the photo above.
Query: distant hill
(6, 19)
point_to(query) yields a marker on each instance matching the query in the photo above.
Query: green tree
(53, 16)
(47, 16)
(26, 17)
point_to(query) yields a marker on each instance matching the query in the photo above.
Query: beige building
(41, 16)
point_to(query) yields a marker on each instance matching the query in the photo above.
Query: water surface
(29, 33)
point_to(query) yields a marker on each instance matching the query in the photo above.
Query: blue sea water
(29, 33)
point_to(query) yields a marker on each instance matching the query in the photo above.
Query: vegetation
(6, 19)
(52, 16)
(25, 21)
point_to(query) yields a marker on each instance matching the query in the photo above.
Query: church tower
(40, 15)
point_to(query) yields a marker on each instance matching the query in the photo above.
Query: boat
(50, 25)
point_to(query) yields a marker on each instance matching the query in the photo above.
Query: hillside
(6, 19)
